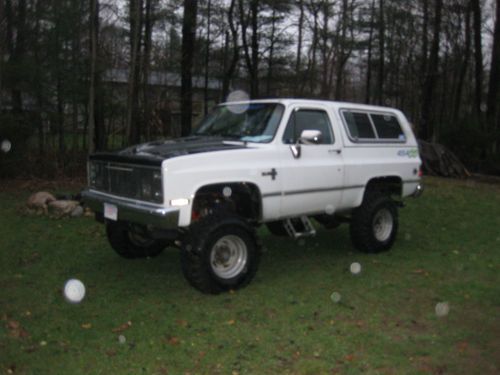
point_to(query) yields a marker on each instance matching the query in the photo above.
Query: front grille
(126, 180)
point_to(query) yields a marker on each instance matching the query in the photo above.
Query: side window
(308, 119)
(359, 125)
(387, 127)
(365, 126)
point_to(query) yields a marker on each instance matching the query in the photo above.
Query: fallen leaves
(172, 340)
(122, 327)
(86, 325)
(420, 271)
(16, 330)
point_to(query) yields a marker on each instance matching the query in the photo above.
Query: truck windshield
(247, 122)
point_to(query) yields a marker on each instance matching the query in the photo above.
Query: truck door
(312, 180)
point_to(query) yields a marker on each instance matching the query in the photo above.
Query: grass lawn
(284, 322)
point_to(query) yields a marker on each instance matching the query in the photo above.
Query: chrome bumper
(132, 211)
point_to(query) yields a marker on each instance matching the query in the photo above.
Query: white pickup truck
(277, 162)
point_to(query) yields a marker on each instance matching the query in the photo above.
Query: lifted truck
(276, 162)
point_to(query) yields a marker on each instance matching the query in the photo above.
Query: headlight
(96, 175)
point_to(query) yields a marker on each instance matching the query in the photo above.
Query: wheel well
(390, 185)
(241, 198)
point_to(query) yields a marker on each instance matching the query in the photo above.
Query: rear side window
(359, 125)
(387, 127)
(368, 126)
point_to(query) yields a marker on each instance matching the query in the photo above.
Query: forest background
(80, 76)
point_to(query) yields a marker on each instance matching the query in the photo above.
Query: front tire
(374, 224)
(130, 242)
(220, 253)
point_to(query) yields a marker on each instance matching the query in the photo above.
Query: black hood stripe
(153, 153)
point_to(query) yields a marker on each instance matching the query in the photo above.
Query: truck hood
(153, 153)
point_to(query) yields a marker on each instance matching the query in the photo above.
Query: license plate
(110, 211)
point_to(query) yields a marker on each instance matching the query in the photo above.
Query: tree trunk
(381, 60)
(93, 31)
(251, 50)
(314, 47)
(146, 62)
(254, 85)
(38, 80)
(228, 73)
(425, 38)
(207, 58)
(427, 109)
(478, 57)
(493, 99)
(18, 53)
(133, 132)
(3, 37)
(270, 59)
(343, 56)
(370, 47)
(188, 45)
(464, 67)
(324, 51)
(299, 46)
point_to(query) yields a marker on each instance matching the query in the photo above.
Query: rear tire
(220, 253)
(374, 224)
(130, 243)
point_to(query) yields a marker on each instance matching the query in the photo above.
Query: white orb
(122, 339)
(74, 291)
(329, 209)
(238, 96)
(227, 191)
(335, 297)
(6, 146)
(355, 268)
(442, 309)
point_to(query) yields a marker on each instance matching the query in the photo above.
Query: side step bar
(299, 227)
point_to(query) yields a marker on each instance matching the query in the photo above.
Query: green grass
(284, 322)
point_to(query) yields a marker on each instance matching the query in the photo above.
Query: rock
(62, 208)
(77, 211)
(39, 201)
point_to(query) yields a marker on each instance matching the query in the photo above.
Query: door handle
(335, 150)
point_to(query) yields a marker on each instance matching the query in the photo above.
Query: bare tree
(135, 21)
(251, 47)
(381, 51)
(493, 112)
(299, 45)
(188, 39)
(146, 62)
(427, 107)
(94, 32)
(370, 49)
(478, 56)
(230, 38)
(464, 64)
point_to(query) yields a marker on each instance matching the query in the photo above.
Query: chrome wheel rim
(383, 223)
(228, 257)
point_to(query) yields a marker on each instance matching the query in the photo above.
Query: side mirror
(310, 137)
(307, 137)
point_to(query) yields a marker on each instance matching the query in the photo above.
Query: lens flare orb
(74, 291)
